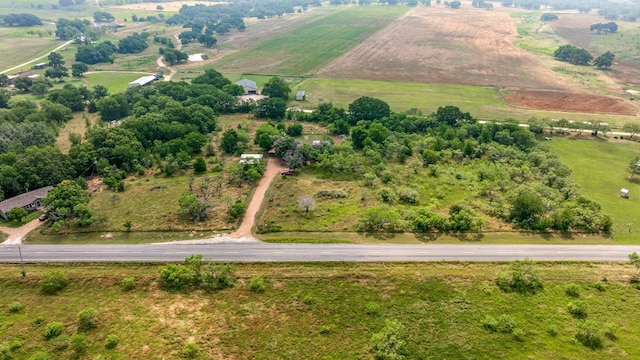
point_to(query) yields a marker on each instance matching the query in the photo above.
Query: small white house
(250, 87)
(300, 95)
(624, 193)
(251, 158)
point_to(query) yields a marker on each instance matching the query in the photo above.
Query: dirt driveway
(16, 234)
(273, 169)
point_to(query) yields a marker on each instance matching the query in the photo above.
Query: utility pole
(24, 270)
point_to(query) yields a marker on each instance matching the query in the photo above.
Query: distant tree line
(609, 9)
(608, 28)
(578, 56)
(20, 20)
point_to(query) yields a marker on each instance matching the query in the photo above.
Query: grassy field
(535, 35)
(602, 169)
(306, 49)
(15, 51)
(325, 311)
(484, 103)
(114, 81)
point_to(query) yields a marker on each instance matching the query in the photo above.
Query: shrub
(15, 307)
(572, 290)
(218, 277)
(372, 308)
(237, 209)
(5, 351)
(522, 278)
(506, 324)
(53, 330)
(518, 334)
(111, 341)
(324, 329)
(175, 277)
(610, 331)
(257, 284)
(389, 343)
(490, 323)
(308, 299)
(79, 343)
(577, 309)
(552, 330)
(128, 284)
(87, 320)
(331, 193)
(39, 356)
(408, 196)
(60, 343)
(600, 286)
(53, 281)
(190, 350)
(589, 335)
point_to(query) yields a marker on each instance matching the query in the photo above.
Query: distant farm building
(39, 66)
(28, 74)
(145, 80)
(250, 87)
(300, 95)
(251, 158)
(29, 201)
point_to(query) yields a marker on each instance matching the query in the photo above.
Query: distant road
(36, 59)
(264, 252)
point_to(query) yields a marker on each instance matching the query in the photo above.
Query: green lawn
(323, 311)
(484, 103)
(17, 50)
(114, 81)
(602, 169)
(306, 49)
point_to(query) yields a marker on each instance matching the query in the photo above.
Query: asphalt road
(263, 252)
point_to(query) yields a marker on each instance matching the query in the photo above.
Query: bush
(600, 286)
(199, 165)
(53, 330)
(60, 343)
(331, 193)
(257, 284)
(308, 299)
(5, 351)
(589, 335)
(218, 277)
(518, 334)
(190, 350)
(577, 309)
(552, 330)
(79, 343)
(572, 290)
(522, 279)
(128, 284)
(372, 309)
(389, 343)
(490, 323)
(111, 341)
(87, 320)
(610, 331)
(53, 281)
(506, 324)
(15, 307)
(408, 196)
(175, 277)
(236, 210)
(324, 329)
(39, 356)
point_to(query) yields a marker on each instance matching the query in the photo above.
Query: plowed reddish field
(441, 45)
(563, 101)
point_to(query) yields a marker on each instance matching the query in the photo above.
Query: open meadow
(324, 311)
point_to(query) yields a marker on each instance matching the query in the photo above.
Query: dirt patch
(575, 27)
(562, 101)
(440, 45)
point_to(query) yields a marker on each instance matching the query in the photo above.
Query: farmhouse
(300, 95)
(250, 158)
(145, 80)
(29, 201)
(39, 65)
(250, 87)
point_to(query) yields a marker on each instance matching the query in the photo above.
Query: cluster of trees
(205, 21)
(580, 56)
(20, 20)
(98, 53)
(482, 4)
(549, 17)
(453, 4)
(514, 175)
(173, 56)
(71, 2)
(103, 16)
(74, 29)
(133, 44)
(608, 28)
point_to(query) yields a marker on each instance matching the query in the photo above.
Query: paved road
(263, 252)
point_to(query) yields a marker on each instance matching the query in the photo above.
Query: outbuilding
(250, 87)
(300, 95)
(145, 80)
(251, 158)
(624, 193)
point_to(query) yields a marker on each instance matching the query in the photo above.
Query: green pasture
(484, 103)
(114, 81)
(601, 168)
(306, 49)
(624, 44)
(324, 311)
(535, 35)
(17, 50)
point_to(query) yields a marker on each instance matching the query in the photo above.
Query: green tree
(102, 16)
(57, 72)
(604, 61)
(230, 142)
(272, 108)
(632, 128)
(455, 4)
(389, 343)
(193, 207)
(368, 108)
(67, 201)
(40, 86)
(199, 165)
(55, 59)
(5, 96)
(207, 40)
(113, 107)
(526, 209)
(78, 69)
(294, 129)
(276, 87)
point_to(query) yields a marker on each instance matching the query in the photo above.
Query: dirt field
(575, 27)
(563, 101)
(464, 46)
